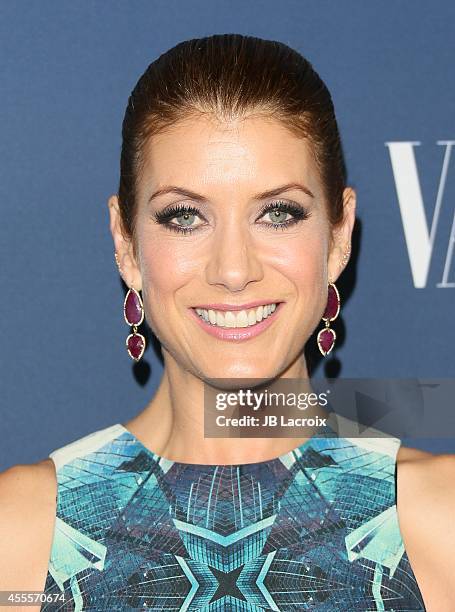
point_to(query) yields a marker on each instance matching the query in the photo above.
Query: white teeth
(252, 317)
(229, 319)
(242, 318)
(212, 317)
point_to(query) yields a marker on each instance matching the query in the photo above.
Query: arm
(426, 509)
(27, 516)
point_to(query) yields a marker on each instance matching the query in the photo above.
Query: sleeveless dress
(313, 529)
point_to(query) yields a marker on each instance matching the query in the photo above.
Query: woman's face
(209, 233)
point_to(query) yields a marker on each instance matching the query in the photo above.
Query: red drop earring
(133, 312)
(327, 336)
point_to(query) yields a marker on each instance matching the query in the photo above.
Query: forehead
(242, 153)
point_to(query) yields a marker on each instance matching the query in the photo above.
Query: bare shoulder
(407, 453)
(27, 515)
(425, 508)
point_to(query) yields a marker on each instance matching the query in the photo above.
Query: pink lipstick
(237, 333)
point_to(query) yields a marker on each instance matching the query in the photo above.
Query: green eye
(187, 218)
(278, 215)
(277, 212)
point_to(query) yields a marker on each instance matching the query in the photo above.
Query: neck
(172, 424)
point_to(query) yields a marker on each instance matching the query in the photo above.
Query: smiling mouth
(240, 319)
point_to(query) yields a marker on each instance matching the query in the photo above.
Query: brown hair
(231, 76)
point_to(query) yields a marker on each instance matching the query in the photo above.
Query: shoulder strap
(83, 446)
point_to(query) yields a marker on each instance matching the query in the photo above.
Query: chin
(228, 376)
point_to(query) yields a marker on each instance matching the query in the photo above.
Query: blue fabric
(314, 529)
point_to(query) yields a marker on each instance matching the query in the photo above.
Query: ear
(129, 268)
(341, 235)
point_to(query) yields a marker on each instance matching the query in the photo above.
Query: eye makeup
(298, 212)
(184, 211)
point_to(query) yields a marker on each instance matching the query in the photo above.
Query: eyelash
(298, 211)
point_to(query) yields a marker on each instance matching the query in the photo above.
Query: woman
(233, 221)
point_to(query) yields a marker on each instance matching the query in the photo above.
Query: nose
(234, 260)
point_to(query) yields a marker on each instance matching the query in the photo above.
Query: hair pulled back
(230, 77)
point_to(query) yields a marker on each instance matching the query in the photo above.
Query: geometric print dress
(313, 529)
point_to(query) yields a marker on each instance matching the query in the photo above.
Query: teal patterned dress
(313, 529)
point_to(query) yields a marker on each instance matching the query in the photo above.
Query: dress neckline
(323, 432)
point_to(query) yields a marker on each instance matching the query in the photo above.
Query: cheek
(304, 265)
(165, 266)
(303, 261)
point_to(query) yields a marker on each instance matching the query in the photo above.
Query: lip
(236, 307)
(238, 334)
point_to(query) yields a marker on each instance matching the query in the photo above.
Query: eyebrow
(260, 196)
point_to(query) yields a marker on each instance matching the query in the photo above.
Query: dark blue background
(67, 69)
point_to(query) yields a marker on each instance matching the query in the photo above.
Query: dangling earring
(326, 337)
(133, 312)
